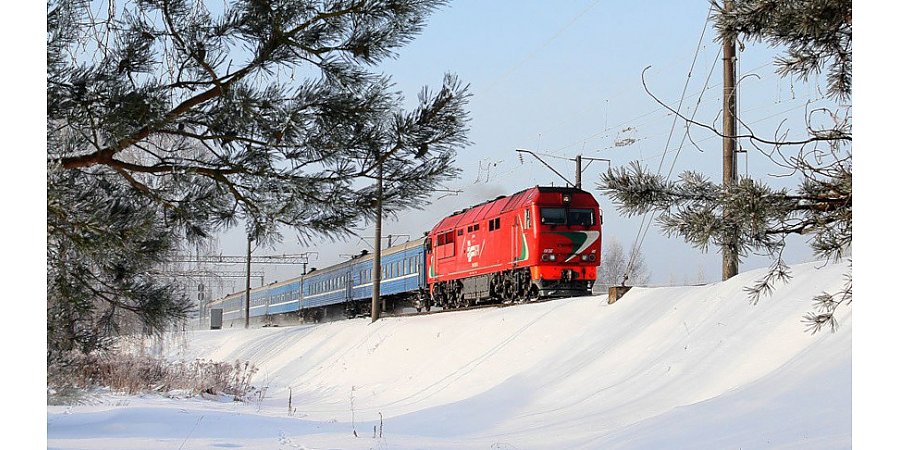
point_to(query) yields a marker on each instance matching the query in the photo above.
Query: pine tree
(816, 36)
(171, 120)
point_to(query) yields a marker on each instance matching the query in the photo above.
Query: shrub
(132, 374)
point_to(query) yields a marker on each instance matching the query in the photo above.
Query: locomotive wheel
(532, 294)
(457, 294)
(496, 287)
(510, 287)
(441, 296)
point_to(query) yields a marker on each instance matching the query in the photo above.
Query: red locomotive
(541, 242)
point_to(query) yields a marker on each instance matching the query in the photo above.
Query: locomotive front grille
(564, 288)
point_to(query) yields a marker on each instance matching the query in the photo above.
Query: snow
(679, 367)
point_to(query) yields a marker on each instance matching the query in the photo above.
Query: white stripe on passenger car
(414, 274)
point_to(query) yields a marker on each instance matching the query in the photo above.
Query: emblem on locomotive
(472, 251)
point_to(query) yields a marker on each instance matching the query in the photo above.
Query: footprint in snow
(286, 441)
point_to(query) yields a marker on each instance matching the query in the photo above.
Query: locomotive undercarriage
(509, 286)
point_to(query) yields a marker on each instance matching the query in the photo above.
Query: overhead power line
(274, 260)
(542, 46)
(642, 232)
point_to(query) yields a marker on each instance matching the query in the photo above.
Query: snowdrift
(680, 367)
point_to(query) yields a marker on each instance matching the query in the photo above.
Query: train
(540, 243)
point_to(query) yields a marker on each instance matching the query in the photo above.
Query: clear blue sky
(563, 78)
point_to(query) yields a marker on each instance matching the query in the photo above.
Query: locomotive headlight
(590, 257)
(548, 257)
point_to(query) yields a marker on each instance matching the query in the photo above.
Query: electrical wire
(607, 131)
(542, 46)
(639, 240)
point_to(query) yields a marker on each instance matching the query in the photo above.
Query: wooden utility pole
(376, 270)
(729, 129)
(247, 303)
(578, 172)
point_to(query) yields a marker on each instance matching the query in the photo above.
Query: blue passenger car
(344, 289)
(402, 271)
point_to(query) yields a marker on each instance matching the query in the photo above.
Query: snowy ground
(683, 367)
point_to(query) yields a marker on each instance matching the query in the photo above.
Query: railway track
(474, 307)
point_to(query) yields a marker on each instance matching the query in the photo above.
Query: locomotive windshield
(553, 216)
(571, 217)
(581, 217)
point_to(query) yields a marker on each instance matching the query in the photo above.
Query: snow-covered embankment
(663, 367)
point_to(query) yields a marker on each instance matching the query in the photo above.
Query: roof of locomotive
(501, 204)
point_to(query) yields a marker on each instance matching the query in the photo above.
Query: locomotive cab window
(553, 216)
(581, 217)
